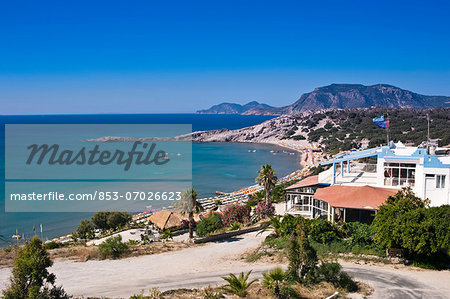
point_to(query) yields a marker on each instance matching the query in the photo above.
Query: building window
(440, 181)
(399, 174)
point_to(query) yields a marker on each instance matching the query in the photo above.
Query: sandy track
(204, 265)
(200, 265)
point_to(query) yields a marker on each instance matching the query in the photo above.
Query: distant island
(338, 96)
(251, 108)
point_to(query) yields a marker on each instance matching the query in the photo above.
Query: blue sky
(180, 56)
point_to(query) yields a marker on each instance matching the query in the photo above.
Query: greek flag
(383, 124)
(378, 119)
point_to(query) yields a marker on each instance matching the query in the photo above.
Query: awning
(354, 197)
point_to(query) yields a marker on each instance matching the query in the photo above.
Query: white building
(370, 176)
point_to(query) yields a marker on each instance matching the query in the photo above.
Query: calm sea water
(215, 166)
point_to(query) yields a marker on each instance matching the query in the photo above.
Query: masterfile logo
(92, 167)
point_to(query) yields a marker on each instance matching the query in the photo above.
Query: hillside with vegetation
(341, 129)
(346, 129)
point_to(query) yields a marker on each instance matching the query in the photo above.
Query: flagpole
(387, 128)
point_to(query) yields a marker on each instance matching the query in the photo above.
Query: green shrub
(235, 226)
(112, 247)
(166, 235)
(357, 233)
(52, 245)
(323, 231)
(253, 201)
(209, 224)
(238, 285)
(347, 283)
(332, 273)
(273, 280)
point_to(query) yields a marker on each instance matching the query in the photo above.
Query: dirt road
(204, 265)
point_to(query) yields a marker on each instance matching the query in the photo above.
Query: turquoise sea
(215, 166)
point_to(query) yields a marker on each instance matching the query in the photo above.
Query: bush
(209, 224)
(359, 234)
(264, 210)
(85, 230)
(185, 224)
(239, 213)
(332, 273)
(322, 231)
(235, 226)
(112, 247)
(238, 285)
(52, 245)
(253, 201)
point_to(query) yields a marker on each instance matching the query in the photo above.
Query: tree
(189, 205)
(100, 219)
(391, 224)
(110, 219)
(238, 285)
(85, 230)
(30, 277)
(267, 179)
(302, 258)
(117, 219)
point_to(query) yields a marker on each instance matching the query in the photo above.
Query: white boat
(16, 236)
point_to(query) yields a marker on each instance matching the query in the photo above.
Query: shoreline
(300, 165)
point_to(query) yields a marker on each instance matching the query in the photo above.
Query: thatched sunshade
(169, 219)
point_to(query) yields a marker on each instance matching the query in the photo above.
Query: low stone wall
(227, 235)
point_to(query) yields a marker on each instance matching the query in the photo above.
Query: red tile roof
(309, 181)
(354, 197)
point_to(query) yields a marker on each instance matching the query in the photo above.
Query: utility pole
(428, 120)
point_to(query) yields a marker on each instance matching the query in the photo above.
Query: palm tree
(267, 179)
(189, 205)
(273, 280)
(238, 285)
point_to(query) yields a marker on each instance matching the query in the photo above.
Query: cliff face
(270, 130)
(340, 96)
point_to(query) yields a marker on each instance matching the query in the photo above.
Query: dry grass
(85, 253)
(364, 289)
(321, 290)
(7, 257)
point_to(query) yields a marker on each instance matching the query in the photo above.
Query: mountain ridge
(339, 96)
